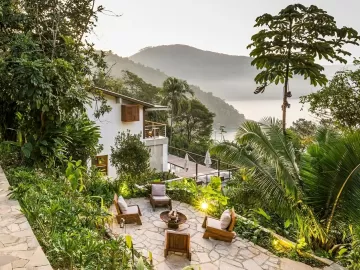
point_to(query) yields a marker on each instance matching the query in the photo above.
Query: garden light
(204, 205)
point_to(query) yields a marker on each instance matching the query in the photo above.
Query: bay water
(257, 109)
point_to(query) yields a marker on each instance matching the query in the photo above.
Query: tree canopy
(45, 70)
(291, 41)
(339, 101)
(320, 194)
(193, 126)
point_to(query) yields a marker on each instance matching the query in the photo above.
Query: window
(101, 162)
(130, 113)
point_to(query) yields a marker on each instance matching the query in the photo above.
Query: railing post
(196, 171)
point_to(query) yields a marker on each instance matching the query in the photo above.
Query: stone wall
(19, 248)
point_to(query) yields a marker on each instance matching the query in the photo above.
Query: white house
(129, 114)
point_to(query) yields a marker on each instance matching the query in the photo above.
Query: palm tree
(265, 150)
(331, 175)
(320, 194)
(175, 94)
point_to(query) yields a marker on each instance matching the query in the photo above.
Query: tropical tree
(331, 176)
(291, 41)
(45, 71)
(131, 158)
(195, 121)
(175, 93)
(338, 102)
(321, 196)
(302, 133)
(264, 149)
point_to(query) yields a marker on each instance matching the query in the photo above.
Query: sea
(257, 109)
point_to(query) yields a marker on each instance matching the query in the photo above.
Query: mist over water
(258, 109)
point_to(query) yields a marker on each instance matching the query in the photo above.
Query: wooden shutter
(130, 113)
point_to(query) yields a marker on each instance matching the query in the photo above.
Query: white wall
(159, 153)
(111, 124)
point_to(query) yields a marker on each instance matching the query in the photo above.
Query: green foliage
(44, 73)
(315, 199)
(242, 192)
(69, 225)
(186, 190)
(175, 94)
(255, 233)
(74, 174)
(252, 231)
(95, 184)
(290, 42)
(84, 137)
(301, 133)
(264, 149)
(9, 155)
(338, 102)
(352, 258)
(193, 124)
(131, 157)
(332, 182)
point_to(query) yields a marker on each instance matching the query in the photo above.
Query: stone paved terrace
(19, 248)
(208, 253)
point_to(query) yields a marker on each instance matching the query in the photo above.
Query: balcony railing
(154, 130)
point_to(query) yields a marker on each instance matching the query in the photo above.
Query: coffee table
(172, 224)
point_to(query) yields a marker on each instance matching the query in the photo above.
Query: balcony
(154, 130)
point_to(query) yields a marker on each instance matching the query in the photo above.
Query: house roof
(134, 100)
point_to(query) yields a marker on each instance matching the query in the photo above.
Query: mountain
(227, 76)
(226, 114)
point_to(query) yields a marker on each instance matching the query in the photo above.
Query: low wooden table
(172, 224)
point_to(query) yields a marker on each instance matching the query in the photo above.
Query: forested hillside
(225, 114)
(227, 76)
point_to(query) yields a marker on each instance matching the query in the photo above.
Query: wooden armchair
(213, 229)
(131, 215)
(159, 199)
(177, 242)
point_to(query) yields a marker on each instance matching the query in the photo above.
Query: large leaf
(27, 149)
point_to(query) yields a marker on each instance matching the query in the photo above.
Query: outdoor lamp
(204, 205)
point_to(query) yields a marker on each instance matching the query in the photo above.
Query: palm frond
(332, 180)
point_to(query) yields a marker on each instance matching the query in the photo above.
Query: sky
(223, 26)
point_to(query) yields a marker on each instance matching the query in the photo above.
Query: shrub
(131, 158)
(186, 190)
(70, 225)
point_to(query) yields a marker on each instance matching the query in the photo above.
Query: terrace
(209, 254)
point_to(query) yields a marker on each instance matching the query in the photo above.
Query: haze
(214, 25)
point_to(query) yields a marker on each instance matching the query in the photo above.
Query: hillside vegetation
(227, 76)
(225, 114)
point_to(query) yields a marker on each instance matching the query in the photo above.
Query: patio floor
(209, 254)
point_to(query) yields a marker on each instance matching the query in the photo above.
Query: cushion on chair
(122, 204)
(213, 223)
(158, 190)
(225, 219)
(161, 198)
(131, 210)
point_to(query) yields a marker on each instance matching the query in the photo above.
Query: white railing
(154, 130)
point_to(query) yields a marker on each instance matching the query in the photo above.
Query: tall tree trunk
(286, 85)
(285, 103)
(171, 125)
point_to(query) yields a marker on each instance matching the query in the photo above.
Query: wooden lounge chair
(157, 199)
(131, 215)
(213, 229)
(177, 242)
